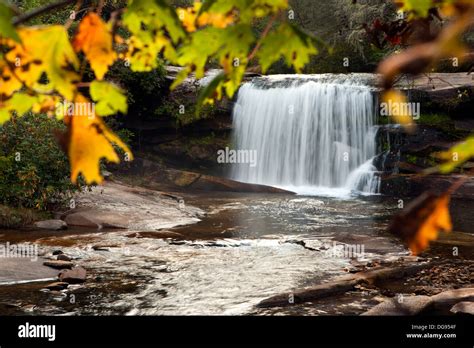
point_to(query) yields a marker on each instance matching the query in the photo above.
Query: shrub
(34, 171)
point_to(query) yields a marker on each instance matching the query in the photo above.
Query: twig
(40, 10)
(264, 34)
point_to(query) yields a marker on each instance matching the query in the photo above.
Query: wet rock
(447, 299)
(157, 234)
(58, 264)
(75, 275)
(202, 182)
(54, 225)
(63, 257)
(57, 286)
(97, 219)
(407, 305)
(463, 308)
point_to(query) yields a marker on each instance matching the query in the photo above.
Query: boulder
(63, 257)
(97, 219)
(75, 275)
(463, 308)
(58, 264)
(407, 305)
(54, 225)
(446, 299)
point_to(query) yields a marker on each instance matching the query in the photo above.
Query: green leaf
(418, 7)
(294, 45)
(20, 103)
(457, 155)
(109, 98)
(7, 29)
(208, 91)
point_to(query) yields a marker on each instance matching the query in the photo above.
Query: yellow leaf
(420, 222)
(395, 102)
(90, 140)
(44, 50)
(94, 38)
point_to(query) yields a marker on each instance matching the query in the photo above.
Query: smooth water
(310, 135)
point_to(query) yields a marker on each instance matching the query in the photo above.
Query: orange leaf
(89, 141)
(420, 222)
(94, 38)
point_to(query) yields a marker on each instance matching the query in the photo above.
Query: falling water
(311, 135)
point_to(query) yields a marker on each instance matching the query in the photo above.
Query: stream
(248, 247)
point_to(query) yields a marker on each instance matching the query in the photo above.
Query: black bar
(347, 330)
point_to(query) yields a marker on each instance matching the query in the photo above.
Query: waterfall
(310, 134)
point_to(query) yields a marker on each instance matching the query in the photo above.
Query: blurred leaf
(89, 141)
(94, 38)
(293, 45)
(33, 58)
(207, 93)
(396, 101)
(109, 98)
(422, 220)
(7, 30)
(457, 155)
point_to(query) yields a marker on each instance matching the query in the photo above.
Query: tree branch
(40, 10)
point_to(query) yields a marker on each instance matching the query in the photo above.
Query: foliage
(33, 174)
(45, 67)
(421, 221)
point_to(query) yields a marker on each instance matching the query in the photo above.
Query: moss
(412, 159)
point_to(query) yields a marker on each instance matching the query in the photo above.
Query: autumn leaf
(395, 101)
(422, 220)
(109, 98)
(19, 103)
(26, 63)
(94, 38)
(90, 140)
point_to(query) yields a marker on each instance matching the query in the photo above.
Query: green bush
(34, 171)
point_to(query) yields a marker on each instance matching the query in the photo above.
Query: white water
(311, 135)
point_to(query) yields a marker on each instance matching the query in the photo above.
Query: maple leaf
(420, 222)
(88, 141)
(27, 62)
(94, 38)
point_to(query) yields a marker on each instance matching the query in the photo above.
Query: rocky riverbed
(151, 252)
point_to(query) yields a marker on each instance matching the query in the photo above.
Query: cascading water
(310, 135)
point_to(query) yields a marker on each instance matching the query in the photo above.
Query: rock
(58, 264)
(201, 182)
(54, 225)
(57, 286)
(157, 235)
(97, 219)
(57, 252)
(63, 257)
(463, 308)
(75, 275)
(445, 300)
(407, 305)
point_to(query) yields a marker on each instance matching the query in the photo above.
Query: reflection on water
(248, 248)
